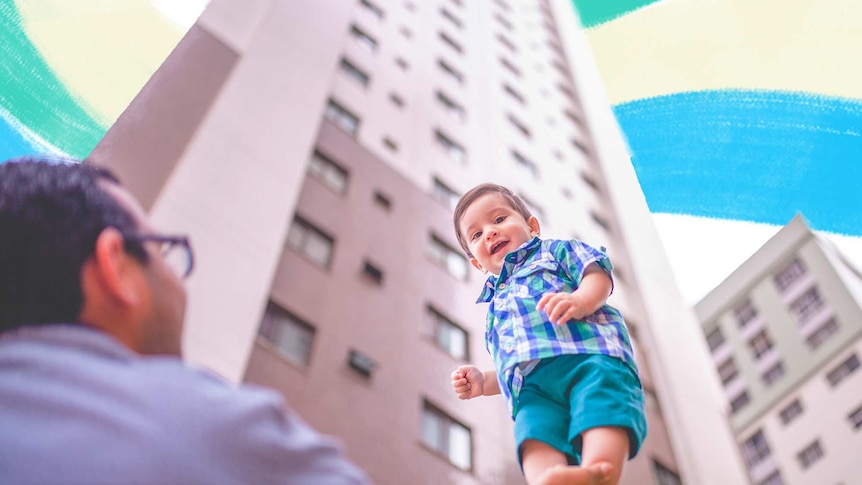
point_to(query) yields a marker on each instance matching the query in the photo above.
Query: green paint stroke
(596, 12)
(31, 92)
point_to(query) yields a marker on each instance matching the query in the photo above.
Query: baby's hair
(513, 200)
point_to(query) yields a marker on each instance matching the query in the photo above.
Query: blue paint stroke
(758, 156)
(12, 141)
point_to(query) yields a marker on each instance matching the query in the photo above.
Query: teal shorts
(569, 394)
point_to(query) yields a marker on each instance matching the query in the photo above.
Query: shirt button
(502, 286)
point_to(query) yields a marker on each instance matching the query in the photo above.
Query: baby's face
(492, 229)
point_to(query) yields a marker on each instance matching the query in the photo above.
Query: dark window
(396, 100)
(447, 437)
(454, 150)
(341, 117)
(838, 374)
(822, 334)
(810, 455)
(361, 363)
(519, 125)
(451, 260)
(354, 72)
(774, 373)
(311, 242)
(760, 344)
(374, 9)
(715, 339)
(448, 335)
(454, 109)
(445, 194)
(290, 335)
(755, 449)
(727, 371)
(510, 67)
(390, 144)
(789, 275)
(514, 94)
(364, 40)
(327, 172)
(525, 163)
(739, 402)
(664, 475)
(791, 412)
(807, 305)
(382, 200)
(855, 418)
(745, 313)
(507, 43)
(451, 17)
(448, 69)
(450, 42)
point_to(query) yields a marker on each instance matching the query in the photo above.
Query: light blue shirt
(76, 407)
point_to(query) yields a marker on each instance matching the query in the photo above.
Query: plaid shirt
(518, 336)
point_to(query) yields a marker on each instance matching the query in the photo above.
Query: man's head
(76, 248)
(491, 221)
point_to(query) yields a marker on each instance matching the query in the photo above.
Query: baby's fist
(468, 381)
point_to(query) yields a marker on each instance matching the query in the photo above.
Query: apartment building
(314, 151)
(785, 331)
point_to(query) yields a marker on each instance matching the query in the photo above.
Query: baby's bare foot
(598, 474)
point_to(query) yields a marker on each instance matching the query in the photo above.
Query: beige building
(314, 150)
(785, 330)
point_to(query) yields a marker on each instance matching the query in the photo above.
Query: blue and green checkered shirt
(518, 336)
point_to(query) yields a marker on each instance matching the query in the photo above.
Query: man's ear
(476, 264)
(114, 269)
(535, 230)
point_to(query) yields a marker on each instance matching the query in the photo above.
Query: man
(92, 386)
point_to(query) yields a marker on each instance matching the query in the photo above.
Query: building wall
(825, 407)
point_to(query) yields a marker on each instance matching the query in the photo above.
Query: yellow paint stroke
(103, 51)
(692, 45)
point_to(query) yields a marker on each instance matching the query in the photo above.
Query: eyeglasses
(176, 251)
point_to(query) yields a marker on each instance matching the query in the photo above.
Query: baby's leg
(545, 465)
(606, 445)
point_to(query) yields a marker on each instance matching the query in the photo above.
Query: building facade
(314, 151)
(785, 331)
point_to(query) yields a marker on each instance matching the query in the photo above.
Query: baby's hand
(562, 307)
(468, 381)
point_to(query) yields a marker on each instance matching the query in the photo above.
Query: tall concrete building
(785, 330)
(314, 150)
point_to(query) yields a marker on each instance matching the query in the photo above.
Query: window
(450, 42)
(760, 344)
(822, 334)
(855, 418)
(505, 6)
(354, 72)
(580, 146)
(789, 275)
(664, 475)
(361, 363)
(449, 336)
(382, 200)
(451, 17)
(507, 43)
(755, 449)
(843, 370)
(396, 100)
(448, 258)
(372, 272)
(364, 40)
(328, 173)
(374, 9)
(601, 221)
(525, 164)
(739, 402)
(341, 117)
(291, 336)
(567, 91)
(455, 151)
(773, 479)
(727, 371)
(454, 109)
(514, 94)
(774, 373)
(402, 63)
(390, 144)
(448, 69)
(590, 181)
(451, 439)
(444, 194)
(311, 242)
(503, 21)
(510, 67)
(804, 307)
(518, 125)
(407, 33)
(810, 455)
(791, 412)
(745, 313)
(715, 339)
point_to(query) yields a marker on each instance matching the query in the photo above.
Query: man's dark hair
(51, 212)
(467, 199)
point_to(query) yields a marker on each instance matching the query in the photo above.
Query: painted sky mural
(739, 114)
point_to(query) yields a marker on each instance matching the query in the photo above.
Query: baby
(563, 357)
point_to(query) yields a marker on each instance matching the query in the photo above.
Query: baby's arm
(593, 292)
(469, 382)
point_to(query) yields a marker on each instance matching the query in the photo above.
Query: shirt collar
(513, 258)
